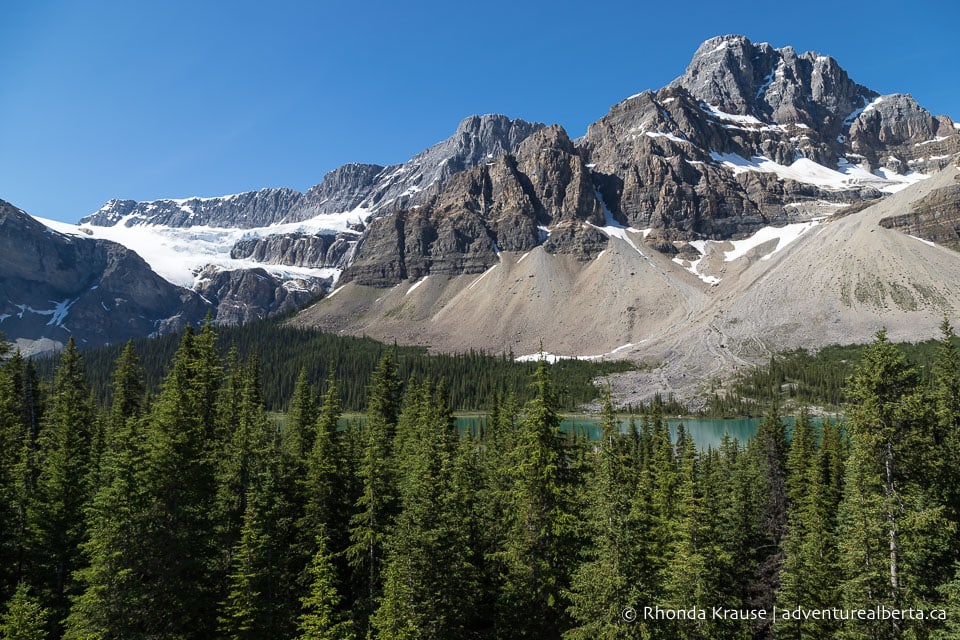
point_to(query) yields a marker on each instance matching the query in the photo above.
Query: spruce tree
(893, 534)
(263, 590)
(110, 603)
(539, 538)
(179, 484)
(298, 434)
(55, 513)
(323, 617)
(614, 574)
(419, 598)
(809, 578)
(24, 618)
(376, 506)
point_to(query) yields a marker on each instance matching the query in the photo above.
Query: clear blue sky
(142, 100)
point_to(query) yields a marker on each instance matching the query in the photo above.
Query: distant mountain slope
(834, 280)
(678, 209)
(54, 286)
(364, 188)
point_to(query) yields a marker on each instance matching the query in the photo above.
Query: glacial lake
(706, 432)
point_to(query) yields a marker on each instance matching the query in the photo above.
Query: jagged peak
(774, 85)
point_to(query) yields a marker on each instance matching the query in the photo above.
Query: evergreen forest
(183, 509)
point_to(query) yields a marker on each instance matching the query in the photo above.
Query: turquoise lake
(706, 432)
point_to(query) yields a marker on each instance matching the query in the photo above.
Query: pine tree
(24, 619)
(109, 605)
(322, 617)
(420, 599)
(892, 532)
(376, 506)
(539, 538)
(55, 514)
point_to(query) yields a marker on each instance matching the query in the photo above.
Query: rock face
(381, 190)
(55, 286)
(772, 85)
(370, 188)
(935, 217)
(749, 136)
(253, 294)
(244, 210)
(298, 250)
(504, 205)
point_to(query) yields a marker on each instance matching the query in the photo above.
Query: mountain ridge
(667, 204)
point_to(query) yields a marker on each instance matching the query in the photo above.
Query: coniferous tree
(55, 513)
(768, 451)
(614, 573)
(326, 478)
(539, 537)
(946, 431)
(263, 595)
(809, 577)
(376, 506)
(420, 599)
(323, 617)
(298, 434)
(892, 532)
(108, 606)
(11, 442)
(24, 618)
(179, 484)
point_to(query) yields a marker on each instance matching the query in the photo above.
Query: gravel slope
(838, 282)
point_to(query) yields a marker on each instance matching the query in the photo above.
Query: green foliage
(323, 618)
(283, 352)
(55, 509)
(24, 619)
(189, 513)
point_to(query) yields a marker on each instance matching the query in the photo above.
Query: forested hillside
(187, 512)
(799, 377)
(282, 352)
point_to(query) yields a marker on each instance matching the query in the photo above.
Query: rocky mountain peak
(779, 86)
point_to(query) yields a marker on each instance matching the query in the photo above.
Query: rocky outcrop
(713, 155)
(244, 210)
(935, 217)
(773, 85)
(504, 205)
(298, 249)
(253, 294)
(369, 189)
(55, 286)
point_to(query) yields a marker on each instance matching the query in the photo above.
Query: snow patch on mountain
(178, 254)
(783, 235)
(693, 266)
(553, 358)
(846, 176)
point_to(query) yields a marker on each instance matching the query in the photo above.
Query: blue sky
(142, 100)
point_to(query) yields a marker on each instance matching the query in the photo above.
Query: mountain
(55, 285)
(749, 136)
(363, 188)
(663, 233)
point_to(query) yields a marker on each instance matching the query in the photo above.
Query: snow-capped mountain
(751, 152)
